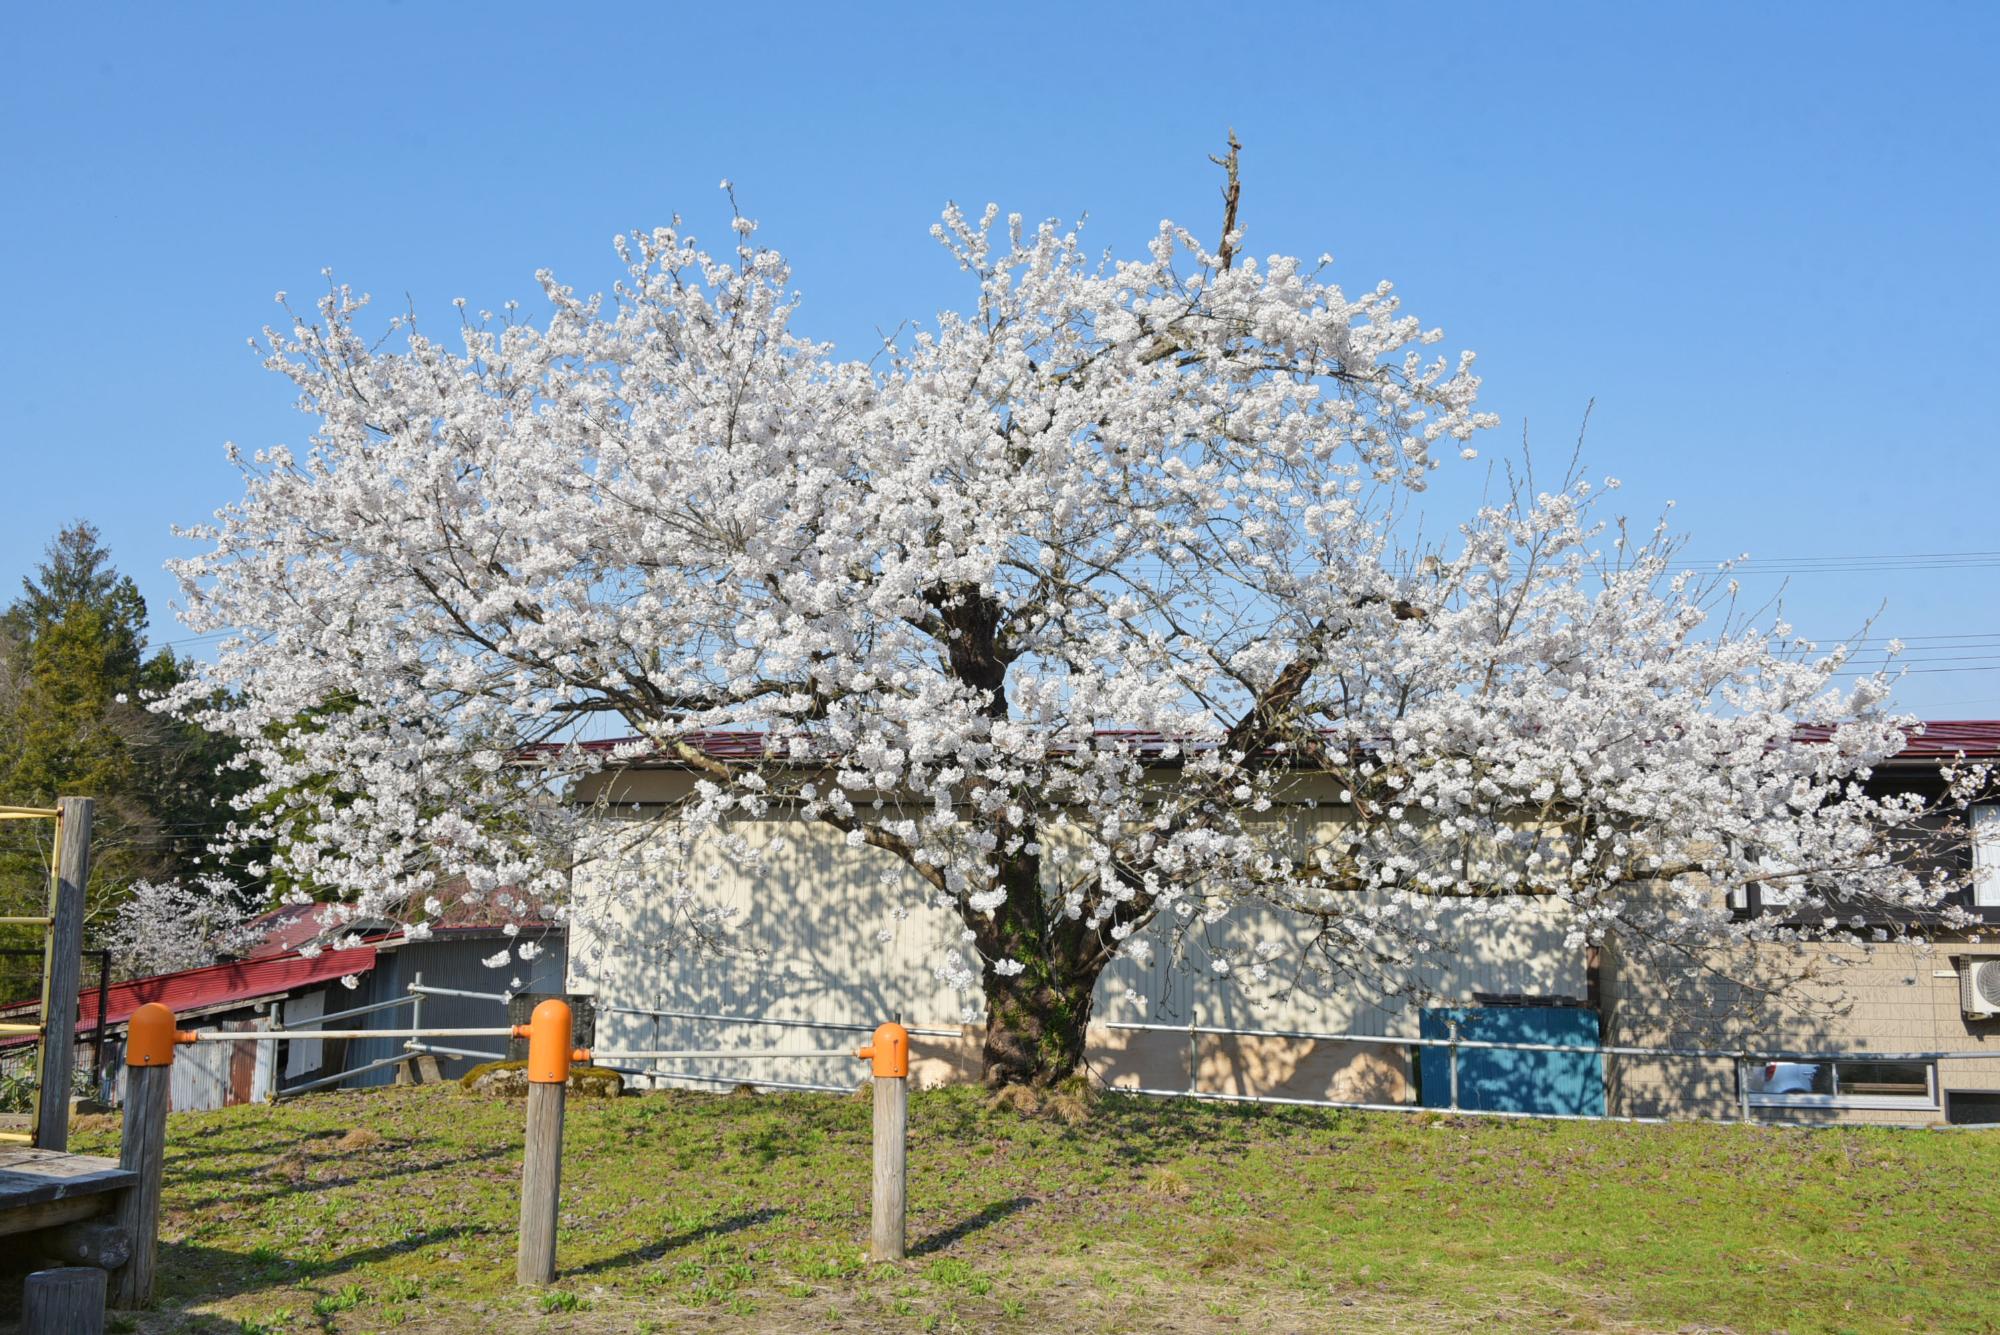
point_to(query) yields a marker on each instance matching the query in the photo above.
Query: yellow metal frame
(47, 923)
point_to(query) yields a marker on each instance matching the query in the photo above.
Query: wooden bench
(60, 1197)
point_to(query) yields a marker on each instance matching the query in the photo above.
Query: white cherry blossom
(1098, 602)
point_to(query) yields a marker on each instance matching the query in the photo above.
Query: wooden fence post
(64, 962)
(149, 1074)
(549, 1056)
(69, 1301)
(889, 1057)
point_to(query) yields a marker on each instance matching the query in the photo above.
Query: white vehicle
(1793, 1077)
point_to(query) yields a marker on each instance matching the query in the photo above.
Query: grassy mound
(688, 1211)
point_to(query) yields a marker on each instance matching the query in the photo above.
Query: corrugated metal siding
(833, 933)
(808, 947)
(453, 962)
(204, 1075)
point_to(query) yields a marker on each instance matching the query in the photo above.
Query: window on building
(1985, 820)
(1840, 1084)
(1746, 901)
(1972, 1107)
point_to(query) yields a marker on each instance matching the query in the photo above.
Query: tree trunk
(1035, 1024)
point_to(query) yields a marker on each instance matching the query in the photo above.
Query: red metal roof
(1937, 739)
(221, 984)
(285, 930)
(716, 743)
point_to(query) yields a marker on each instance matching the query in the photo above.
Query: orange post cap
(549, 1050)
(888, 1052)
(150, 1036)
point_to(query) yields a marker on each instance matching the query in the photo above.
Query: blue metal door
(1497, 1080)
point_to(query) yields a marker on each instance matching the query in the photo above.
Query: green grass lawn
(395, 1210)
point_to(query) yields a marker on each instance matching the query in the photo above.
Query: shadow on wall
(1252, 1065)
(823, 933)
(1817, 997)
(831, 933)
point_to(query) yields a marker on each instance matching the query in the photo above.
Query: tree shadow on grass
(654, 1250)
(188, 1270)
(1132, 1130)
(262, 1184)
(964, 1228)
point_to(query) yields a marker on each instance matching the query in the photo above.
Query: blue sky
(1759, 237)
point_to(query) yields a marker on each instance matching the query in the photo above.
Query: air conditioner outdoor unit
(1979, 988)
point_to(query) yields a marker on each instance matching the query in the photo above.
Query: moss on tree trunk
(1035, 1023)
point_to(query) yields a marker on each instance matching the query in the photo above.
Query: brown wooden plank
(32, 1176)
(65, 971)
(51, 1214)
(541, 1186)
(142, 1149)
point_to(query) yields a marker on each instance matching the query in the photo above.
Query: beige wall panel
(837, 934)
(1895, 998)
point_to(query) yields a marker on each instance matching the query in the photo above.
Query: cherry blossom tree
(1072, 601)
(165, 926)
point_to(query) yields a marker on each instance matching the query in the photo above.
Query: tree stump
(69, 1301)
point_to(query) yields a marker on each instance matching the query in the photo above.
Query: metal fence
(1454, 1045)
(659, 1064)
(656, 1054)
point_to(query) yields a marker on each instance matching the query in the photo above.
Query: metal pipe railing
(1737, 1054)
(1451, 1028)
(1529, 1116)
(732, 1080)
(715, 1054)
(368, 1009)
(765, 1020)
(267, 1035)
(443, 1051)
(338, 1076)
(424, 991)
(1371, 1107)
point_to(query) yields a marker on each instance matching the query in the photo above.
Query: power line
(1894, 556)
